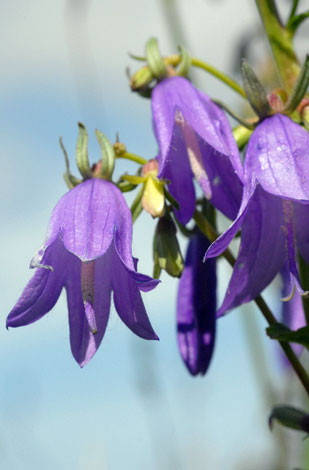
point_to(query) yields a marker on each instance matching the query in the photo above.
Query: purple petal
(196, 308)
(43, 289)
(262, 251)
(84, 343)
(292, 311)
(87, 217)
(301, 224)
(278, 157)
(127, 298)
(209, 145)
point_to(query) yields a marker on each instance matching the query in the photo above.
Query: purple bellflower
(196, 307)
(88, 252)
(273, 214)
(195, 139)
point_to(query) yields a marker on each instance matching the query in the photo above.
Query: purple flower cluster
(88, 246)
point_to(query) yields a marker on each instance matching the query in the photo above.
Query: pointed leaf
(280, 332)
(255, 91)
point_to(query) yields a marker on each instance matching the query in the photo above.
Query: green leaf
(280, 332)
(299, 89)
(290, 417)
(255, 91)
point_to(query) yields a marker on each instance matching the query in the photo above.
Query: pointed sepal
(82, 152)
(108, 155)
(70, 179)
(154, 59)
(290, 417)
(255, 91)
(300, 88)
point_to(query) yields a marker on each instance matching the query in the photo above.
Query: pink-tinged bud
(153, 199)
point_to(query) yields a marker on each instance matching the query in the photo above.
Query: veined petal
(84, 343)
(292, 311)
(196, 307)
(262, 251)
(127, 298)
(43, 289)
(209, 145)
(278, 157)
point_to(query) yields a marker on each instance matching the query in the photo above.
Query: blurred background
(134, 406)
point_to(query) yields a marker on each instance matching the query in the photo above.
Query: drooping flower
(195, 139)
(88, 252)
(274, 211)
(196, 307)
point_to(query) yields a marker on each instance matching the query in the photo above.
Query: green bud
(141, 78)
(82, 152)
(154, 59)
(290, 417)
(255, 91)
(108, 155)
(166, 250)
(70, 179)
(299, 89)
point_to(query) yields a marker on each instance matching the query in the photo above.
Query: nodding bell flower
(274, 211)
(196, 307)
(195, 139)
(88, 252)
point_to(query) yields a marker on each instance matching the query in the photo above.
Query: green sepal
(134, 179)
(154, 59)
(295, 21)
(171, 199)
(82, 152)
(255, 91)
(300, 88)
(305, 117)
(166, 250)
(137, 207)
(108, 155)
(185, 62)
(70, 179)
(280, 332)
(290, 417)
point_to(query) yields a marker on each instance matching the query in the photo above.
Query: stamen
(87, 286)
(194, 154)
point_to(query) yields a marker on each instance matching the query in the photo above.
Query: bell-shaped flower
(88, 252)
(195, 139)
(196, 307)
(274, 211)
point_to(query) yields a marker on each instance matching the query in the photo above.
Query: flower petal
(209, 145)
(196, 307)
(127, 298)
(262, 251)
(43, 289)
(301, 218)
(84, 343)
(278, 157)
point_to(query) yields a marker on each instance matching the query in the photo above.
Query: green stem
(280, 40)
(133, 158)
(175, 59)
(304, 279)
(212, 235)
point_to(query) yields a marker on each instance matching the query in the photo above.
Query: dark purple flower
(274, 215)
(88, 252)
(196, 307)
(195, 139)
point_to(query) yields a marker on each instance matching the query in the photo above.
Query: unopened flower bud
(153, 199)
(166, 250)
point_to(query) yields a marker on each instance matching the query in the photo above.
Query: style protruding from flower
(196, 307)
(195, 139)
(274, 211)
(88, 252)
